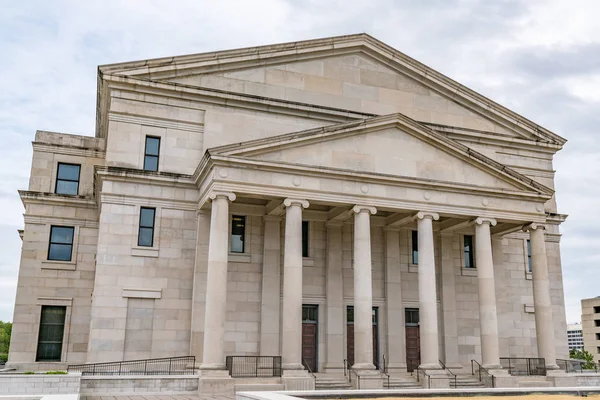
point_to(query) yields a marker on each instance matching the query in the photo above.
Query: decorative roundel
(223, 173)
(296, 181)
(364, 189)
(427, 195)
(485, 202)
(539, 208)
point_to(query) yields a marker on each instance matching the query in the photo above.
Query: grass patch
(56, 373)
(28, 373)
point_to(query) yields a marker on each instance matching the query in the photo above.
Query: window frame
(470, 253)
(146, 154)
(40, 329)
(414, 247)
(50, 243)
(153, 227)
(243, 235)
(305, 239)
(529, 265)
(67, 180)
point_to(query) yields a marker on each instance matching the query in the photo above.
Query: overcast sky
(538, 58)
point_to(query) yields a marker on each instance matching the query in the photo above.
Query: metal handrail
(253, 366)
(533, 366)
(485, 371)
(454, 377)
(574, 365)
(150, 366)
(347, 368)
(307, 367)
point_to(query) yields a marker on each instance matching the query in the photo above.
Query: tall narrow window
(469, 261)
(415, 247)
(238, 233)
(67, 179)
(304, 238)
(50, 338)
(529, 263)
(61, 243)
(151, 153)
(146, 230)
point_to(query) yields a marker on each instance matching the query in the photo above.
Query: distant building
(575, 337)
(590, 322)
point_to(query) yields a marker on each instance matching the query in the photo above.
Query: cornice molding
(237, 59)
(31, 197)
(68, 150)
(52, 220)
(111, 198)
(139, 119)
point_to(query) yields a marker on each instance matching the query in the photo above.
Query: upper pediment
(392, 145)
(355, 72)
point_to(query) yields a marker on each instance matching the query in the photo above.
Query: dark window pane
(146, 237)
(68, 172)
(61, 234)
(147, 217)
(152, 146)
(411, 316)
(52, 325)
(415, 247)
(60, 252)
(468, 251)
(350, 314)
(151, 163)
(529, 263)
(309, 313)
(238, 233)
(67, 187)
(305, 238)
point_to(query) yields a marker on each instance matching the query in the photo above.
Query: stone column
(448, 285)
(335, 299)
(271, 287)
(214, 379)
(396, 357)
(488, 319)
(213, 355)
(292, 286)
(363, 289)
(199, 290)
(427, 292)
(542, 304)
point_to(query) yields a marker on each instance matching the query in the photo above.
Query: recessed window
(597, 336)
(151, 153)
(238, 233)
(146, 230)
(529, 262)
(411, 316)
(597, 322)
(596, 310)
(67, 179)
(468, 250)
(415, 247)
(305, 227)
(61, 243)
(50, 338)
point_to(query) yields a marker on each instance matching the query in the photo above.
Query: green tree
(5, 329)
(583, 355)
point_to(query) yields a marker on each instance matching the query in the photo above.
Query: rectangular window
(146, 230)
(529, 264)
(52, 328)
(61, 243)
(411, 316)
(67, 179)
(415, 247)
(469, 261)
(151, 153)
(597, 322)
(597, 336)
(238, 233)
(596, 310)
(304, 238)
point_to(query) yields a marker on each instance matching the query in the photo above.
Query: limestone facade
(361, 141)
(590, 325)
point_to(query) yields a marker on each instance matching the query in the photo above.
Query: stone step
(258, 387)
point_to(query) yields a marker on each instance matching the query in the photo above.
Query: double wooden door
(309, 336)
(412, 339)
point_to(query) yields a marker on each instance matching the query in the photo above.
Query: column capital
(216, 194)
(427, 214)
(299, 202)
(484, 220)
(358, 209)
(533, 226)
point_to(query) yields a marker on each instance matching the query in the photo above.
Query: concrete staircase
(402, 381)
(257, 384)
(332, 382)
(466, 381)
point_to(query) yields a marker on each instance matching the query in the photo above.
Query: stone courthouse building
(321, 200)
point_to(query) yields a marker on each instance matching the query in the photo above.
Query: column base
(494, 367)
(292, 367)
(363, 367)
(367, 378)
(215, 382)
(332, 368)
(431, 366)
(396, 367)
(297, 379)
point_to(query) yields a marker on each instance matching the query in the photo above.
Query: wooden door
(350, 336)
(309, 345)
(413, 348)
(350, 343)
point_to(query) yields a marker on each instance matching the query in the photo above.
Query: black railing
(571, 366)
(307, 367)
(347, 370)
(253, 366)
(483, 374)
(153, 366)
(524, 366)
(452, 378)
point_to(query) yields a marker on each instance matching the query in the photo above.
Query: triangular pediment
(392, 145)
(353, 72)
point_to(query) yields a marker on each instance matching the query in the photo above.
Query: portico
(399, 206)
